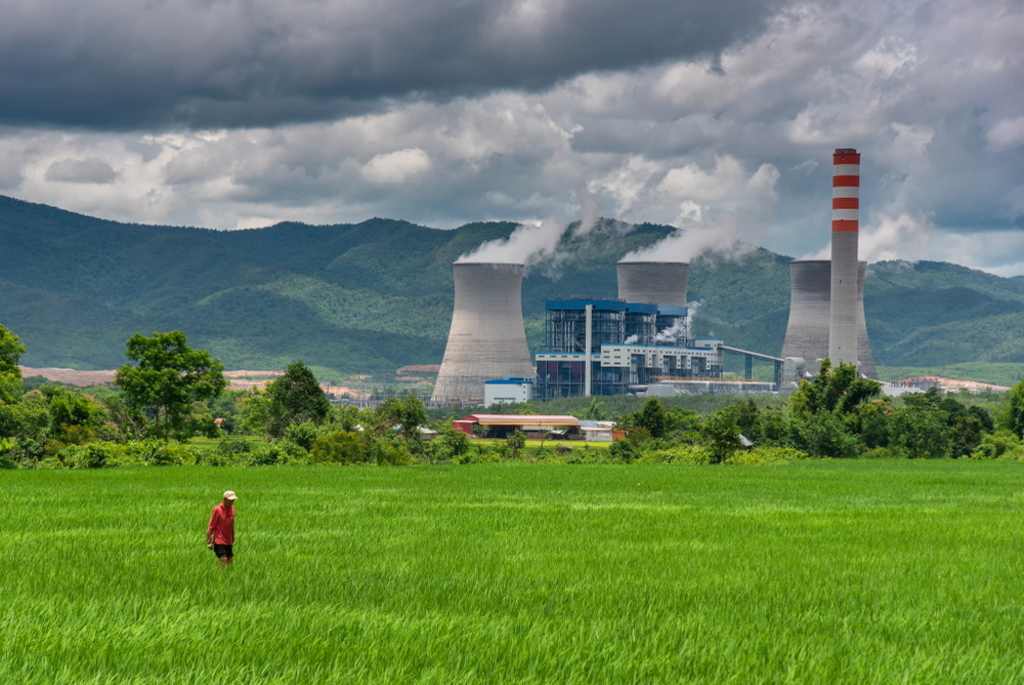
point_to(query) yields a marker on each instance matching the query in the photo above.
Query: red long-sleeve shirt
(222, 525)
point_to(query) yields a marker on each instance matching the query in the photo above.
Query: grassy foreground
(815, 572)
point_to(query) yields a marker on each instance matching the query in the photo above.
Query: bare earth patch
(237, 380)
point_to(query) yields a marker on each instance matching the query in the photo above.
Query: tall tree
(167, 378)
(11, 349)
(407, 413)
(295, 397)
(1013, 412)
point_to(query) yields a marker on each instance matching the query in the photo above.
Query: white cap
(230, 494)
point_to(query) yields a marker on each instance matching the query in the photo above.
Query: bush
(680, 454)
(478, 455)
(386, 452)
(270, 454)
(156, 453)
(91, 456)
(228, 452)
(339, 447)
(765, 456)
(1002, 445)
(120, 456)
(303, 434)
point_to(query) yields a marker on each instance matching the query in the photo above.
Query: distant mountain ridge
(374, 296)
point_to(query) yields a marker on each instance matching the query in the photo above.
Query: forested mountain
(375, 296)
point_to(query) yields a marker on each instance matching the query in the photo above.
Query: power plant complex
(640, 343)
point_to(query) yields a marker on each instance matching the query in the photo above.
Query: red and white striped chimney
(845, 190)
(842, 339)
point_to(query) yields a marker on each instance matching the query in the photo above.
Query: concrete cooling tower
(661, 283)
(487, 339)
(807, 335)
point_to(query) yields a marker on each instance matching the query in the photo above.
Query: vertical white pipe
(587, 370)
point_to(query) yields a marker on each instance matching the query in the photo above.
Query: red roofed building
(533, 425)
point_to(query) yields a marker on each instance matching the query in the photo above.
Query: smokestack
(842, 333)
(660, 283)
(807, 335)
(487, 339)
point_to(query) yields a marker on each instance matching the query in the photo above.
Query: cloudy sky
(721, 115)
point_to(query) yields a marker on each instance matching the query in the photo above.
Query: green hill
(375, 296)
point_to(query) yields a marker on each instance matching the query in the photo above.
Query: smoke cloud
(589, 210)
(676, 333)
(891, 238)
(687, 244)
(527, 243)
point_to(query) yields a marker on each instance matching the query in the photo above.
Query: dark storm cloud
(81, 171)
(112, 65)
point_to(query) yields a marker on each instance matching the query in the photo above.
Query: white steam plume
(528, 242)
(676, 333)
(589, 210)
(686, 244)
(891, 238)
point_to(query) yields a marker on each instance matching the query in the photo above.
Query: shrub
(1002, 445)
(479, 455)
(303, 434)
(91, 456)
(680, 454)
(765, 456)
(270, 454)
(156, 453)
(339, 447)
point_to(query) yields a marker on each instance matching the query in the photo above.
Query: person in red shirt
(220, 534)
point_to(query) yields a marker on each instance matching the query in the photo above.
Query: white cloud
(1006, 133)
(395, 168)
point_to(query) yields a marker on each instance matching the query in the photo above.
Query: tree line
(170, 393)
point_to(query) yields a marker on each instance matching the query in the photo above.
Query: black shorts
(223, 551)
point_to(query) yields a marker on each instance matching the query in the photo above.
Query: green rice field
(812, 572)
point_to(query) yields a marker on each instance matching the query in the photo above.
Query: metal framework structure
(629, 345)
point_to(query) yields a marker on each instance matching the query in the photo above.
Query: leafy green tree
(839, 390)
(129, 424)
(516, 441)
(920, 433)
(74, 417)
(721, 432)
(680, 421)
(651, 418)
(295, 397)
(1013, 411)
(451, 443)
(168, 376)
(11, 349)
(29, 421)
(871, 422)
(595, 411)
(407, 413)
(823, 435)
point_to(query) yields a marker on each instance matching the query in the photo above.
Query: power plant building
(641, 339)
(487, 340)
(608, 347)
